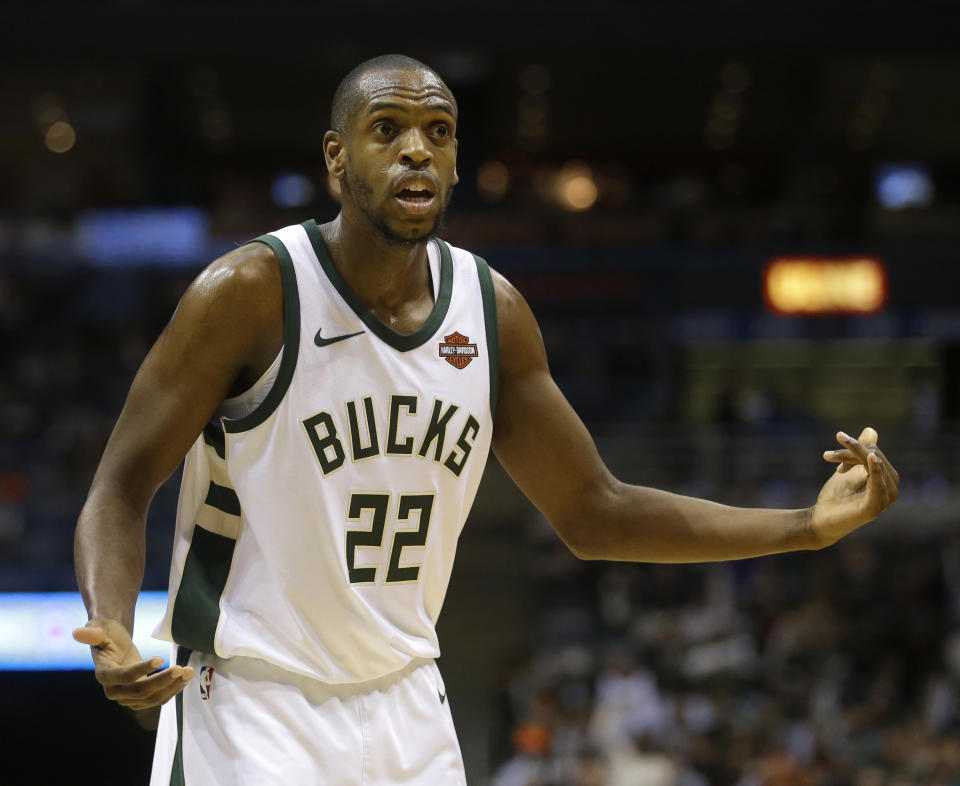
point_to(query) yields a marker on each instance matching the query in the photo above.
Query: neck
(385, 274)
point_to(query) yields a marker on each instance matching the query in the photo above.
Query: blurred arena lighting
(817, 285)
(48, 109)
(727, 106)
(146, 236)
(533, 107)
(576, 188)
(292, 189)
(36, 630)
(899, 186)
(60, 137)
(493, 180)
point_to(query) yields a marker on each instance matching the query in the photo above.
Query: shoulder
(251, 270)
(233, 312)
(521, 345)
(242, 284)
(509, 299)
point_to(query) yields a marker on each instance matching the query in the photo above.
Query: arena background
(634, 168)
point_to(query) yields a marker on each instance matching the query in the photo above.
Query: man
(335, 390)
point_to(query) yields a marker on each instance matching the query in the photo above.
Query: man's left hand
(864, 485)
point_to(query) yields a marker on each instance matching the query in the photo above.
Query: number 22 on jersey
(378, 504)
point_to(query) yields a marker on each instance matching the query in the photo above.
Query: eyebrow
(379, 106)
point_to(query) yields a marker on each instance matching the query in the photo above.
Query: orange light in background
(493, 180)
(817, 285)
(60, 137)
(576, 187)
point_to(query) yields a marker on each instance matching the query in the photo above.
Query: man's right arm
(228, 327)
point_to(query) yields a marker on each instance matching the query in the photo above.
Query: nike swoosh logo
(443, 696)
(326, 342)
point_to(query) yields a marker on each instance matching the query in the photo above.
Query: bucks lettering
(361, 437)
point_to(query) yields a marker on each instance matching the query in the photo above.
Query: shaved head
(350, 91)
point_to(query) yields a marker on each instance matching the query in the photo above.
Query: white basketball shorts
(248, 723)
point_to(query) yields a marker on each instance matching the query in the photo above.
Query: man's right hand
(126, 677)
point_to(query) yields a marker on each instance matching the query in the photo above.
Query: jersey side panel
(207, 525)
(208, 511)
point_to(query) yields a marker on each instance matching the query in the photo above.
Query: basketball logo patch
(206, 682)
(457, 350)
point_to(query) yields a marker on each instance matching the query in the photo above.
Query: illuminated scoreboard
(808, 286)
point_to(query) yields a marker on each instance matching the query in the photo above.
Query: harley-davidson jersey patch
(457, 350)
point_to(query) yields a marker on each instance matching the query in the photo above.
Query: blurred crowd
(832, 668)
(70, 343)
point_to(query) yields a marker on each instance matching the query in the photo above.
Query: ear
(334, 153)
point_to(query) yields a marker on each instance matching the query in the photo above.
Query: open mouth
(415, 197)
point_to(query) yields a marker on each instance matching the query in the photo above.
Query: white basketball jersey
(318, 532)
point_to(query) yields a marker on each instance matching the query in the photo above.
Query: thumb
(868, 436)
(92, 635)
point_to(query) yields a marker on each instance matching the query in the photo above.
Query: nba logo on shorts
(206, 682)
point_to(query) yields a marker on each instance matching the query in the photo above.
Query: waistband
(257, 670)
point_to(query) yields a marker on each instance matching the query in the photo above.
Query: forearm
(639, 524)
(109, 552)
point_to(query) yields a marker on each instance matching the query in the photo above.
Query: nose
(414, 150)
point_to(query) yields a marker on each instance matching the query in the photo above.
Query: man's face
(401, 153)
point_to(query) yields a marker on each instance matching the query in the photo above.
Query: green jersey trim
(213, 436)
(176, 771)
(399, 341)
(291, 342)
(489, 297)
(196, 611)
(223, 499)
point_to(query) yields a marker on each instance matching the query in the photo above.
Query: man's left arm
(546, 449)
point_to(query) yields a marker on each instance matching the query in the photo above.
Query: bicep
(538, 437)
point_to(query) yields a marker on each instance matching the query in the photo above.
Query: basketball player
(335, 389)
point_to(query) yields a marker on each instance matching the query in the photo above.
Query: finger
(846, 467)
(891, 482)
(850, 459)
(840, 456)
(136, 688)
(143, 689)
(868, 436)
(846, 459)
(157, 701)
(92, 636)
(878, 498)
(161, 695)
(132, 673)
(859, 451)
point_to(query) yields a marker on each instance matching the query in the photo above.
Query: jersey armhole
(489, 298)
(291, 342)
